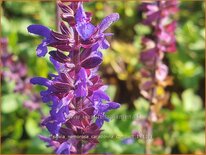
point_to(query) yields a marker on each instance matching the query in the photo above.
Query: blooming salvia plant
(159, 17)
(76, 94)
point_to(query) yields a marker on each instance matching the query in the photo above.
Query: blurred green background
(183, 127)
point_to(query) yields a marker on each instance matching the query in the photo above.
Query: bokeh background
(182, 129)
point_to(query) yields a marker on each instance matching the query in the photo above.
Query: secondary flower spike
(154, 74)
(159, 17)
(77, 94)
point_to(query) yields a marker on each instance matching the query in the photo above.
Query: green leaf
(191, 102)
(42, 68)
(13, 39)
(141, 105)
(9, 103)
(175, 100)
(18, 129)
(32, 127)
(142, 29)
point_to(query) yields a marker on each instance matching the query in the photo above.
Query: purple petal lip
(85, 30)
(41, 50)
(107, 21)
(113, 105)
(41, 81)
(39, 30)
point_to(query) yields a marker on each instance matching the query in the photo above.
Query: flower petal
(39, 30)
(91, 62)
(64, 148)
(59, 56)
(81, 84)
(51, 125)
(85, 30)
(113, 105)
(107, 21)
(41, 81)
(80, 14)
(41, 49)
(100, 95)
(105, 44)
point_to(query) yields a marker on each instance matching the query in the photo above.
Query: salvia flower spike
(155, 79)
(77, 93)
(159, 17)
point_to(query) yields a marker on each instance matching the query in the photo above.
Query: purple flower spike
(76, 94)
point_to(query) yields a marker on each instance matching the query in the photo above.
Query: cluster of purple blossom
(158, 17)
(77, 93)
(15, 70)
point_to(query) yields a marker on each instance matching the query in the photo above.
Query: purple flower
(83, 26)
(76, 92)
(44, 32)
(88, 32)
(101, 108)
(60, 41)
